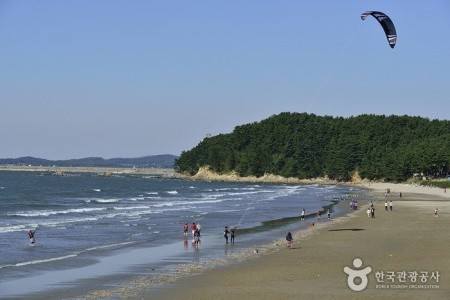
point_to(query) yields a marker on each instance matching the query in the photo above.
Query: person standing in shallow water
(193, 229)
(185, 229)
(225, 234)
(232, 233)
(31, 237)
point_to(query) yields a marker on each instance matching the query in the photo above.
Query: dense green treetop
(301, 145)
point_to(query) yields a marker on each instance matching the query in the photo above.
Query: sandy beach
(404, 253)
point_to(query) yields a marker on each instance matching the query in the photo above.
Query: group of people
(195, 232)
(386, 205)
(354, 204)
(319, 214)
(229, 231)
(371, 208)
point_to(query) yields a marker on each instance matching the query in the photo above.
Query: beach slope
(404, 250)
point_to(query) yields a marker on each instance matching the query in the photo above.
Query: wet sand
(408, 239)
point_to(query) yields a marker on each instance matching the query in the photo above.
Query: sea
(92, 230)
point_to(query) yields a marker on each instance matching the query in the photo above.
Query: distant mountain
(155, 161)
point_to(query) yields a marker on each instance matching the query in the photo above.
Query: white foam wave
(130, 207)
(12, 228)
(172, 192)
(106, 200)
(46, 213)
(136, 199)
(40, 261)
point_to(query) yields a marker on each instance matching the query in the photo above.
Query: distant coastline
(204, 174)
(101, 171)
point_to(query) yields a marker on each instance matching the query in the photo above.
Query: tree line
(301, 145)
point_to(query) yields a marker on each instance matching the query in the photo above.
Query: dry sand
(408, 239)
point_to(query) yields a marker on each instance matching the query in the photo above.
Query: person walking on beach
(289, 239)
(368, 212)
(303, 215)
(225, 234)
(372, 211)
(436, 213)
(185, 229)
(385, 206)
(390, 205)
(329, 214)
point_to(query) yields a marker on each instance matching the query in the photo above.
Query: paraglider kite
(386, 23)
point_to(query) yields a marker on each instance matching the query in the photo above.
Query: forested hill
(301, 145)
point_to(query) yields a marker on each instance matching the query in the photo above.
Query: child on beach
(436, 213)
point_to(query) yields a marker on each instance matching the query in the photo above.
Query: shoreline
(408, 239)
(219, 275)
(204, 174)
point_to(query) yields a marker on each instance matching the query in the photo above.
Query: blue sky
(133, 78)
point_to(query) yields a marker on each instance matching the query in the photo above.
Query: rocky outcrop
(205, 174)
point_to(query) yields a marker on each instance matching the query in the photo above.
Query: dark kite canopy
(386, 23)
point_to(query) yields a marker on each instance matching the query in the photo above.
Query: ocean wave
(47, 260)
(105, 200)
(12, 228)
(136, 198)
(46, 213)
(130, 207)
(172, 192)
